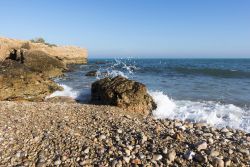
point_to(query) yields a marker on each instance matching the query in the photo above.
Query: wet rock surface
(124, 93)
(61, 134)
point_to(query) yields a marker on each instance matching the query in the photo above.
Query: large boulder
(124, 93)
(18, 82)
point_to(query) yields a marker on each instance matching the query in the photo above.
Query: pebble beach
(71, 134)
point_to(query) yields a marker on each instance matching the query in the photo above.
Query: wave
(223, 73)
(213, 113)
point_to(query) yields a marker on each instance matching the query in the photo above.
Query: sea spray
(67, 91)
(213, 113)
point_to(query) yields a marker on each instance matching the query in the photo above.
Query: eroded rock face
(19, 82)
(67, 54)
(123, 93)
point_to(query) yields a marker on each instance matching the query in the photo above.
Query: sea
(213, 91)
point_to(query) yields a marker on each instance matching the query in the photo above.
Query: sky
(134, 28)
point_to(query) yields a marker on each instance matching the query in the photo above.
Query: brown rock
(67, 54)
(123, 93)
(18, 82)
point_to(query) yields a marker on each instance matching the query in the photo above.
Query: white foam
(67, 91)
(216, 114)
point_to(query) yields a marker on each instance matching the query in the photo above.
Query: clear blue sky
(174, 28)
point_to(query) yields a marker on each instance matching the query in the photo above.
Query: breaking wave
(213, 113)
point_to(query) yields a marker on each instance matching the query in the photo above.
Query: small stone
(214, 153)
(217, 162)
(142, 156)
(165, 150)
(236, 160)
(224, 130)
(127, 151)
(136, 161)
(126, 159)
(202, 145)
(230, 151)
(210, 140)
(171, 155)
(200, 158)
(244, 151)
(86, 151)
(157, 157)
(119, 131)
(189, 155)
(227, 162)
(102, 137)
(143, 138)
(64, 158)
(57, 162)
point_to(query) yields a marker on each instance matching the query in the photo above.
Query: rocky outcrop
(67, 54)
(123, 93)
(19, 82)
(26, 68)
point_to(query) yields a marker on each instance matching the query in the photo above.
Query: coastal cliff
(68, 54)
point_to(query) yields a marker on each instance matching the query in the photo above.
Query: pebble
(119, 131)
(157, 157)
(244, 151)
(102, 137)
(126, 159)
(202, 145)
(224, 130)
(171, 155)
(86, 151)
(189, 155)
(214, 153)
(57, 162)
(217, 162)
(165, 150)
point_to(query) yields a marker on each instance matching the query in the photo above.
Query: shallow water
(216, 91)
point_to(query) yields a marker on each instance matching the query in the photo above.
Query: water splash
(213, 113)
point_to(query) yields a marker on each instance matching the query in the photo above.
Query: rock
(124, 93)
(57, 162)
(157, 157)
(126, 159)
(200, 158)
(102, 137)
(165, 150)
(217, 162)
(86, 151)
(39, 61)
(171, 155)
(119, 131)
(143, 138)
(224, 130)
(66, 54)
(91, 73)
(189, 155)
(244, 151)
(214, 153)
(33, 87)
(202, 145)
(227, 162)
